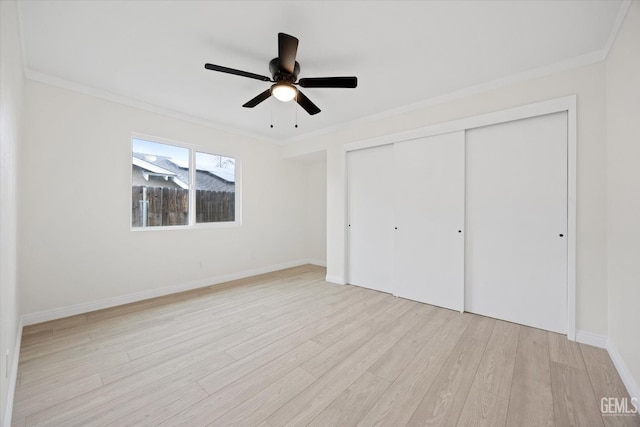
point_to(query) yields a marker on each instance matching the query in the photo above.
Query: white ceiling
(402, 52)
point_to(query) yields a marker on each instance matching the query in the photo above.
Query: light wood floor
(287, 348)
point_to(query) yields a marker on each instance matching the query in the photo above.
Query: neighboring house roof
(150, 171)
(210, 180)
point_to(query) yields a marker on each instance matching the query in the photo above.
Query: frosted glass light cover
(283, 92)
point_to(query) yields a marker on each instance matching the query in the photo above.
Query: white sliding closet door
(516, 216)
(371, 186)
(429, 216)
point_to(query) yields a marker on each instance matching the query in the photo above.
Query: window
(215, 188)
(162, 190)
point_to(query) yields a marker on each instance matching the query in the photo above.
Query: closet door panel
(370, 200)
(516, 214)
(429, 216)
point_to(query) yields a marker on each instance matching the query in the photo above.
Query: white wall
(317, 210)
(623, 202)
(588, 83)
(11, 94)
(76, 242)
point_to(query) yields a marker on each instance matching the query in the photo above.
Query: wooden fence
(215, 206)
(170, 206)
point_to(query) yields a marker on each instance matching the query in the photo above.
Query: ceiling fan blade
(287, 50)
(228, 70)
(306, 103)
(258, 99)
(346, 82)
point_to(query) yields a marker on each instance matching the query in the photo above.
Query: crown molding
(568, 64)
(135, 103)
(565, 65)
(617, 25)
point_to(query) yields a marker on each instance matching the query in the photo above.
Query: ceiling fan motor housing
(284, 71)
(280, 75)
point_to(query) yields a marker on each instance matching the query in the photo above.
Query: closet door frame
(568, 104)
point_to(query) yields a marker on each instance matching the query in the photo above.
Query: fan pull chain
(271, 114)
(296, 107)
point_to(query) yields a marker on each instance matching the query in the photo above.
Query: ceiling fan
(284, 74)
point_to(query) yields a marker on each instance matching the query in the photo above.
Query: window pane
(160, 184)
(215, 188)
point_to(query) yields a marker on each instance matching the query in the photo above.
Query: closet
(371, 212)
(473, 220)
(428, 263)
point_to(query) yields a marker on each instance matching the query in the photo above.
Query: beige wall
(76, 242)
(11, 94)
(588, 83)
(317, 210)
(623, 201)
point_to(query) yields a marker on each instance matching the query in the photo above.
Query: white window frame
(193, 148)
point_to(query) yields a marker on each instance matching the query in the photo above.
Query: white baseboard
(629, 382)
(335, 279)
(602, 341)
(13, 377)
(58, 313)
(590, 338)
(318, 262)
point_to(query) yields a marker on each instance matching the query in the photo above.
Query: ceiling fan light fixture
(284, 74)
(284, 92)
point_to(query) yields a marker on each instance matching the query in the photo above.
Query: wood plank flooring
(288, 348)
